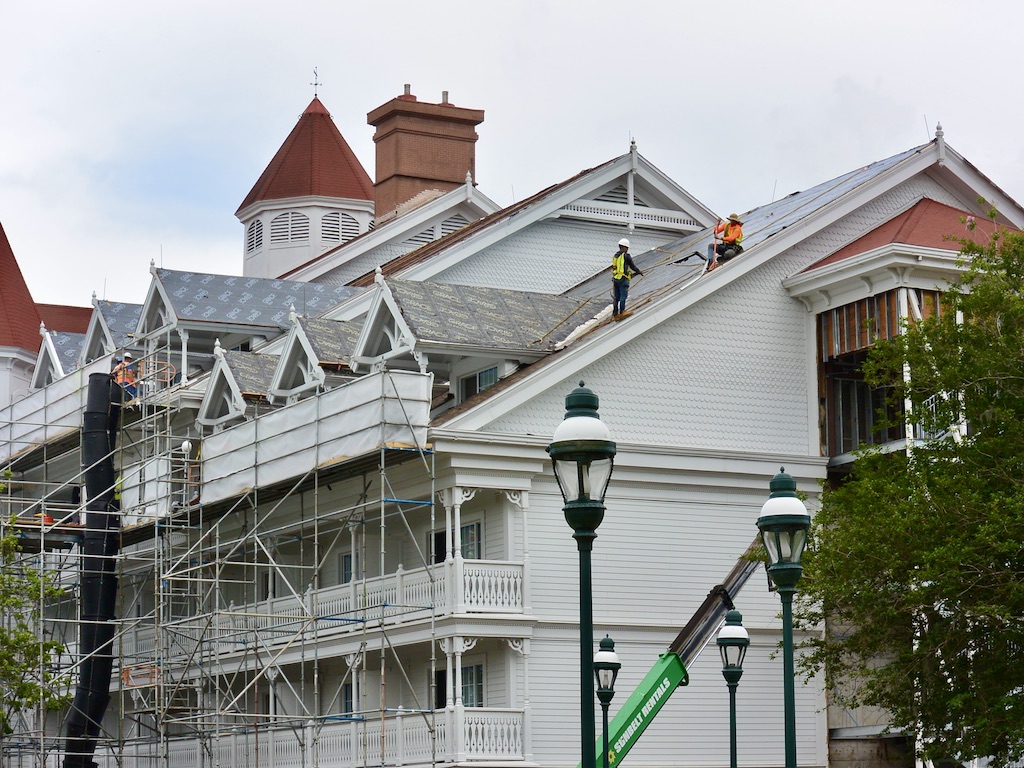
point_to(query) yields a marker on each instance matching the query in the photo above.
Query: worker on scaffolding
(124, 374)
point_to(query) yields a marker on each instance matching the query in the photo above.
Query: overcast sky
(132, 131)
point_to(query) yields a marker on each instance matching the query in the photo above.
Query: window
(254, 236)
(289, 227)
(472, 686)
(348, 699)
(479, 381)
(345, 563)
(471, 543)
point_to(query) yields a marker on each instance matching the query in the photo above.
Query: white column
(184, 355)
(522, 647)
(521, 499)
(461, 645)
(459, 497)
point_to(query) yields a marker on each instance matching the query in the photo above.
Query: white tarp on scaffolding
(47, 412)
(380, 409)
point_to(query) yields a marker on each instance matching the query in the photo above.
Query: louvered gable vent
(424, 237)
(620, 195)
(453, 223)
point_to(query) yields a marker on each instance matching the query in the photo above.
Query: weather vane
(316, 82)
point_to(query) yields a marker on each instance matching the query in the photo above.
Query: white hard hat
(624, 242)
(128, 355)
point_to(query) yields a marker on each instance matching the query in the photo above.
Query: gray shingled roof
(253, 373)
(488, 317)
(69, 348)
(333, 341)
(121, 319)
(246, 300)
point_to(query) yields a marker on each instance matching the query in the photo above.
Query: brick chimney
(421, 146)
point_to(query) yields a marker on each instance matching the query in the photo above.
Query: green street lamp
(732, 644)
(606, 669)
(783, 524)
(582, 454)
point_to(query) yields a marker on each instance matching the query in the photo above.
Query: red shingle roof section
(927, 223)
(19, 320)
(60, 317)
(315, 159)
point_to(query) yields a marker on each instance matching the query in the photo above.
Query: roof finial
(632, 145)
(469, 178)
(940, 143)
(316, 83)
(378, 275)
(42, 328)
(218, 350)
(292, 315)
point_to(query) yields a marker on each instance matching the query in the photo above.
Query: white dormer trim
(48, 368)
(223, 402)
(297, 361)
(157, 314)
(99, 341)
(385, 334)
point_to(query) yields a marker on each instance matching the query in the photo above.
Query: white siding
(549, 257)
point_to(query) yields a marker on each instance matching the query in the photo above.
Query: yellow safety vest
(619, 267)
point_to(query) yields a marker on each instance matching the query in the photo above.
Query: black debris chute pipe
(98, 576)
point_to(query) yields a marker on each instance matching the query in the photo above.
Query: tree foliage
(29, 677)
(917, 558)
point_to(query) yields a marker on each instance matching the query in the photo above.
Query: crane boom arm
(669, 671)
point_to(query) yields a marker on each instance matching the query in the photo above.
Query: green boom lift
(669, 671)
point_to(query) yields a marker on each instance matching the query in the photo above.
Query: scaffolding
(262, 616)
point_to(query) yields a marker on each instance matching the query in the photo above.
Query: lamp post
(606, 669)
(732, 644)
(783, 524)
(582, 454)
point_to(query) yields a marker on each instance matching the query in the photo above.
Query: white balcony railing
(487, 586)
(480, 735)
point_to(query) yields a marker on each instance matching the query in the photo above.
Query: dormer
(58, 356)
(238, 387)
(111, 328)
(313, 196)
(315, 355)
(462, 334)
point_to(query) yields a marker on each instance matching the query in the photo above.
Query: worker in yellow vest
(623, 270)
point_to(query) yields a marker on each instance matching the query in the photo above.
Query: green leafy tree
(29, 677)
(917, 560)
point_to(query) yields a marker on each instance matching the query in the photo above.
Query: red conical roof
(315, 159)
(19, 320)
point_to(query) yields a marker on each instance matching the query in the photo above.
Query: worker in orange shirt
(124, 374)
(728, 236)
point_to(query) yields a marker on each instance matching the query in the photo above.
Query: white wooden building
(343, 544)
